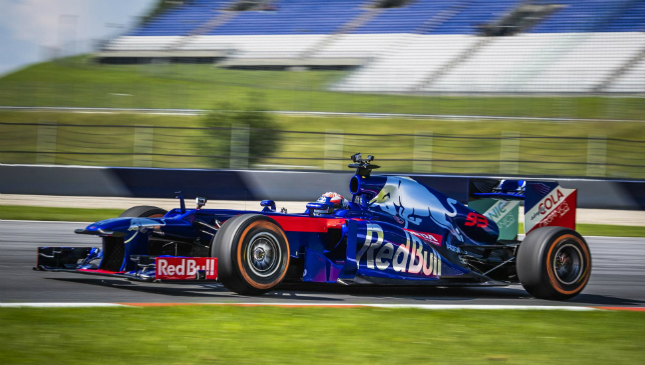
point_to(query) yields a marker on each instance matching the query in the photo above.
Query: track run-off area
(617, 280)
(197, 112)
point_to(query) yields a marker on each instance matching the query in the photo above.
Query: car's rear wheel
(252, 252)
(554, 263)
(144, 211)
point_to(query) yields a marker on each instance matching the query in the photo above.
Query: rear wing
(546, 203)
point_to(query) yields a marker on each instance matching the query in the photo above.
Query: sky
(30, 30)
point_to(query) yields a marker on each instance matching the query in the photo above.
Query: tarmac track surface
(618, 279)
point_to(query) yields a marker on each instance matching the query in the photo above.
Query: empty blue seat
(426, 16)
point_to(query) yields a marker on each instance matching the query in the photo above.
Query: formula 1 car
(393, 231)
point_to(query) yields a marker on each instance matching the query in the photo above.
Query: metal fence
(506, 153)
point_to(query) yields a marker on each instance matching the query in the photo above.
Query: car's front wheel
(554, 263)
(144, 211)
(252, 253)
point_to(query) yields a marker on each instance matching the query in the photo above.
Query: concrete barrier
(257, 184)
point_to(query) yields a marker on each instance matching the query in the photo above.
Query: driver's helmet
(337, 201)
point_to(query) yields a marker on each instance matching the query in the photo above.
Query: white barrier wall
(632, 81)
(360, 45)
(141, 43)
(583, 62)
(255, 46)
(542, 62)
(405, 64)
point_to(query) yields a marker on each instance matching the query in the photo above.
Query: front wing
(89, 260)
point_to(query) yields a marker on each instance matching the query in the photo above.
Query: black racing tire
(252, 254)
(554, 263)
(144, 211)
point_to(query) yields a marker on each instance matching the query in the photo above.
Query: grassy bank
(79, 82)
(206, 335)
(17, 212)
(93, 215)
(606, 230)
(462, 147)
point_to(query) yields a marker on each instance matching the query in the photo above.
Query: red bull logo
(413, 257)
(185, 268)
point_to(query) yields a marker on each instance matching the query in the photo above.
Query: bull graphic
(406, 198)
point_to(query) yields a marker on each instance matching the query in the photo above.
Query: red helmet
(336, 199)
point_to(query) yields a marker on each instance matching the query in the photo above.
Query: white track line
(482, 307)
(426, 306)
(195, 112)
(59, 305)
(313, 305)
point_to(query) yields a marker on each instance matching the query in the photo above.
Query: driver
(337, 202)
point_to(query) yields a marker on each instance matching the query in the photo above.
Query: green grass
(269, 335)
(606, 230)
(79, 82)
(609, 230)
(92, 215)
(56, 214)
(461, 147)
(472, 147)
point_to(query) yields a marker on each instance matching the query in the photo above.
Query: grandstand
(419, 46)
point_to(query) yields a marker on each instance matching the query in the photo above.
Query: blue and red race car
(393, 231)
